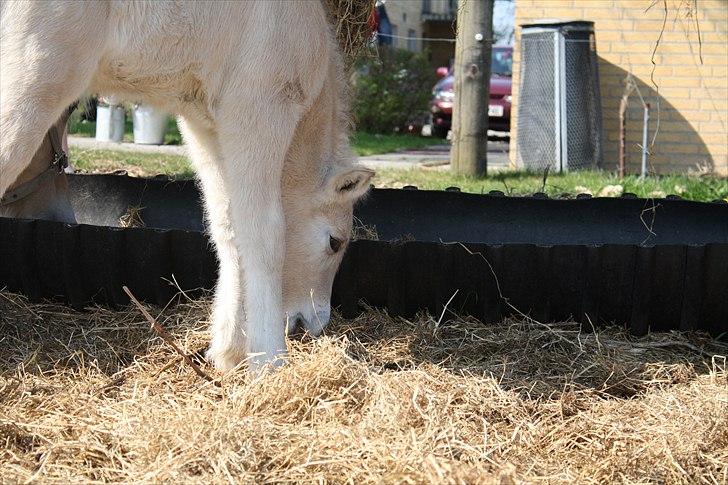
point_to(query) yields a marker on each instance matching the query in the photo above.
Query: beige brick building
(424, 18)
(692, 94)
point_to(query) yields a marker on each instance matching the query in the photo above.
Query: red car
(499, 107)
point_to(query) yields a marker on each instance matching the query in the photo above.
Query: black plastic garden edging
(655, 264)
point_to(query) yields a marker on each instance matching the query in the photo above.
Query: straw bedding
(95, 396)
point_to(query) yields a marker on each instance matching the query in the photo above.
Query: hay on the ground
(361, 231)
(95, 396)
(132, 217)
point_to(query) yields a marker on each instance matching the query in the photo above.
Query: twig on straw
(444, 309)
(503, 298)
(168, 338)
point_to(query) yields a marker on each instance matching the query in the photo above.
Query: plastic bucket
(150, 125)
(110, 123)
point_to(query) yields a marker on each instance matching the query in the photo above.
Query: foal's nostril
(296, 326)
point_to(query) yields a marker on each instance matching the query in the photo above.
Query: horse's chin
(308, 321)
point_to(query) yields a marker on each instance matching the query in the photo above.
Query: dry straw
(95, 396)
(350, 21)
(132, 217)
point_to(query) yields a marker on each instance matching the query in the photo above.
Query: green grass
(139, 164)
(79, 127)
(557, 185)
(365, 144)
(512, 183)
(362, 143)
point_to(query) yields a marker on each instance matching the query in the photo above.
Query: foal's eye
(335, 244)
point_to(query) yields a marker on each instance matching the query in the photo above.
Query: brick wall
(693, 96)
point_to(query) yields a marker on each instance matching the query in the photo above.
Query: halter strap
(59, 164)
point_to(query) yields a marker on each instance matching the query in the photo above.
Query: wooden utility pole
(473, 47)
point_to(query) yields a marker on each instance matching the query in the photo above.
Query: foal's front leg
(243, 192)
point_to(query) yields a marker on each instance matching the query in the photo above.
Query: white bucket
(150, 125)
(109, 123)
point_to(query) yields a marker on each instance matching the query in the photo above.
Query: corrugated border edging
(434, 216)
(644, 288)
(83, 263)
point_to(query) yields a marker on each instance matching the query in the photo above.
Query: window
(501, 62)
(395, 40)
(411, 43)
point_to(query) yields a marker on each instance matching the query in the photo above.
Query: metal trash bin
(110, 118)
(150, 125)
(559, 104)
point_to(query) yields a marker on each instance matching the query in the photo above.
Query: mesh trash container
(559, 106)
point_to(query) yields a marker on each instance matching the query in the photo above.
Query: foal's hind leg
(42, 74)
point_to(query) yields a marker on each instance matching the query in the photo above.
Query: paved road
(91, 144)
(436, 155)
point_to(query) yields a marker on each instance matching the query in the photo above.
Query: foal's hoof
(223, 360)
(262, 363)
(257, 363)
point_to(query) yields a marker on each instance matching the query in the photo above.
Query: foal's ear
(350, 183)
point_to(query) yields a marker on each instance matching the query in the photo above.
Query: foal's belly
(172, 88)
